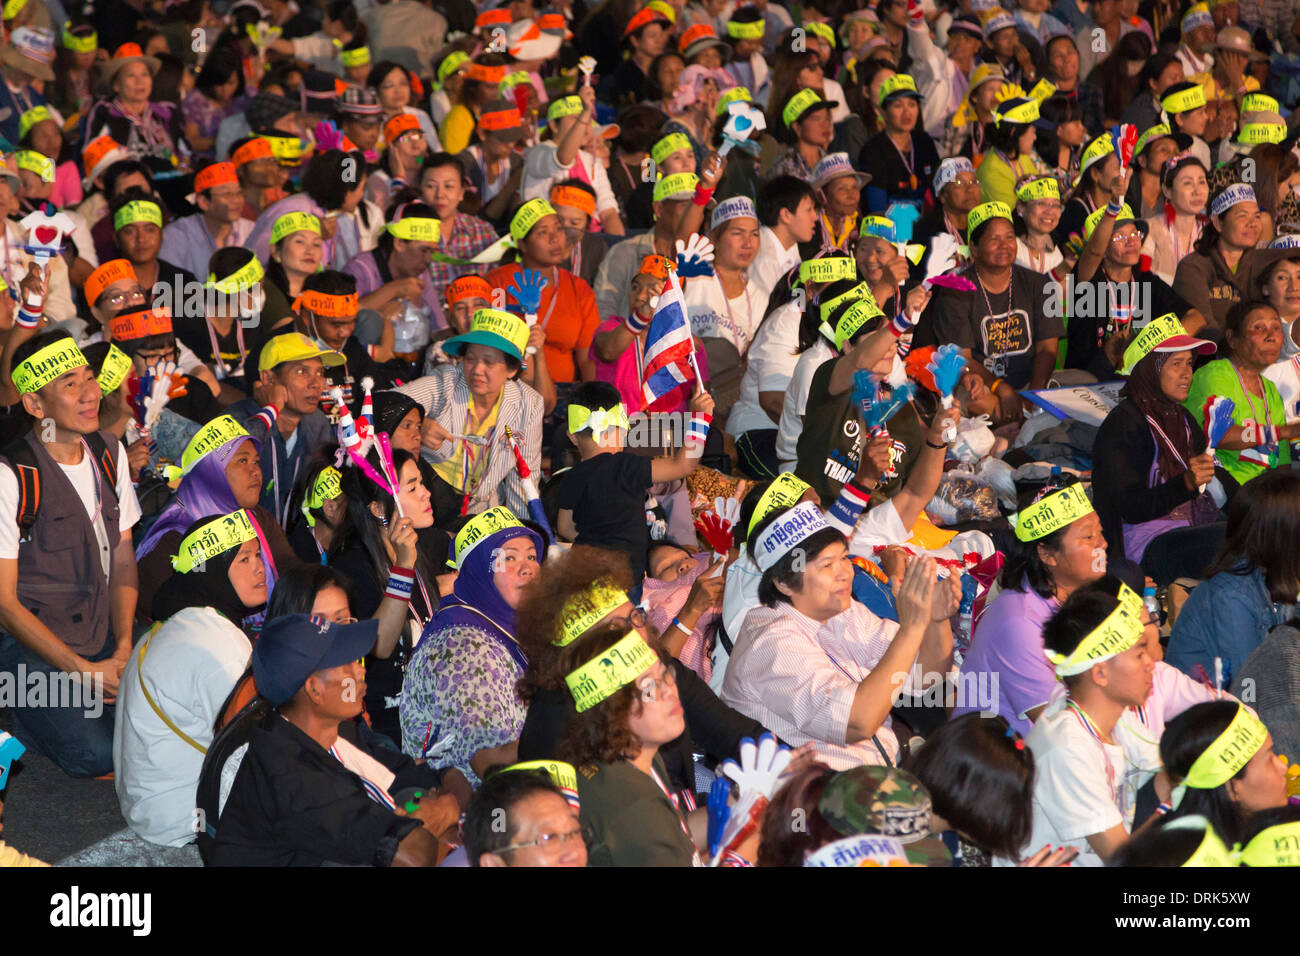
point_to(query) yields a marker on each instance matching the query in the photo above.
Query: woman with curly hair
(569, 602)
(625, 693)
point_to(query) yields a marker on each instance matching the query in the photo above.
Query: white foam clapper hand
(761, 764)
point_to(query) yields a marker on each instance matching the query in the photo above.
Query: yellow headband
(511, 80)
(1158, 131)
(672, 143)
(481, 527)
(582, 611)
(1184, 101)
(1015, 106)
(37, 114)
(1052, 513)
(1043, 89)
(733, 94)
(1121, 629)
(216, 537)
(245, 277)
(798, 104)
(416, 229)
(1259, 103)
(854, 319)
(116, 364)
(209, 438)
(1156, 331)
(562, 774)
(861, 290)
(674, 185)
(505, 325)
(1277, 846)
(529, 215)
(327, 486)
(983, 213)
(1262, 133)
(1094, 217)
(899, 82)
(450, 64)
(1097, 150)
(1231, 750)
(1044, 187)
(359, 56)
(46, 365)
(785, 491)
(563, 107)
(79, 44)
(599, 420)
(603, 676)
(43, 166)
(746, 31)
(1211, 851)
(828, 270)
(823, 30)
(292, 222)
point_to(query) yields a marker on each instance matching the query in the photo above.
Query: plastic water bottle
(1152, 605)
(965, 614)
(410, 329)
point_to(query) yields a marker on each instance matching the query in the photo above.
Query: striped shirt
(798, 677)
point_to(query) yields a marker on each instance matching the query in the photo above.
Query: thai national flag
(668, 347)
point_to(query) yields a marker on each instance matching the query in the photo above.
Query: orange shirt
(567, 313)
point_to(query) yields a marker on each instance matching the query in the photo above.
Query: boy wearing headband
(67, 581)
(602, 498)
(570, 120)
(327, 314)
(189, 242)
(1096, 644)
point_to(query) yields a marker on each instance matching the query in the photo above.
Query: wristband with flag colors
(900, 325)
(698, 428)
(269, 414)
(848, 507)
(635, 324)
(401, 581)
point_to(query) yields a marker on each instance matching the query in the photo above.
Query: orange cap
(399, 124)
(654, 265)
(115, 270)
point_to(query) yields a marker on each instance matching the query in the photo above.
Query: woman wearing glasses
(625, 690)
(572, 600)
(399, 165)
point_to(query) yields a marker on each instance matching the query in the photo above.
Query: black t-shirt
(607, 497)
(892, 179)
(198, 336)
(830, 445)
(198, 404)
(1088, 305)
(1003, 338)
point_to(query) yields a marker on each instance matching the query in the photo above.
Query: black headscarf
(1143, 389)
(209, 587)
(390, 408)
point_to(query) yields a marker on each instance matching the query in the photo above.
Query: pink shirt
(625, 375)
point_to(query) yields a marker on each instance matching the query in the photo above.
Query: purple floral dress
(459, 698)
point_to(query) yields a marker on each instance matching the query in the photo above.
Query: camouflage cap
(887, 801)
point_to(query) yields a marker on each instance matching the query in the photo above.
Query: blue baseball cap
(294, 647)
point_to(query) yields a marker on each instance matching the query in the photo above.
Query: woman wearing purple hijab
(220, 472)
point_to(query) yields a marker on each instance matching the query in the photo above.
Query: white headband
(780, 538)
(1234, 194)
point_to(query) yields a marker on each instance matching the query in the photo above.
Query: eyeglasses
(966, 181)
(1132, 237)
(548, 840)
(117, 299)
(649, 686)
(637, 619)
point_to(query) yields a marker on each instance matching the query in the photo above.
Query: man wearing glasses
(520, 817)
(114, 289)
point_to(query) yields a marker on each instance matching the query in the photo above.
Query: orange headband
(500, 119)
(492, 18)
(400, 124)
(485, 74)
(654, 265)
(112, 271)
(218, 174)
(326, 305)
(572, 196)
(468, 287)
(257, 148)
(138, 325)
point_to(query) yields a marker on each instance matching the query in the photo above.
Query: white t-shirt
(796, 401)
(1043, 263)
(1285, 374)
(190, 669)
(542, 170)
(1078, 785)
(713, 315)
(772, 262)
(84, 478)
(771, 362)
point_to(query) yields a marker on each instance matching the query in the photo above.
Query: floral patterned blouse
(459, 698)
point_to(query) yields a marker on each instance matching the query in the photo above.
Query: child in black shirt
(602, 497)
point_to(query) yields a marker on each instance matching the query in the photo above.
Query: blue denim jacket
(1226, 616)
